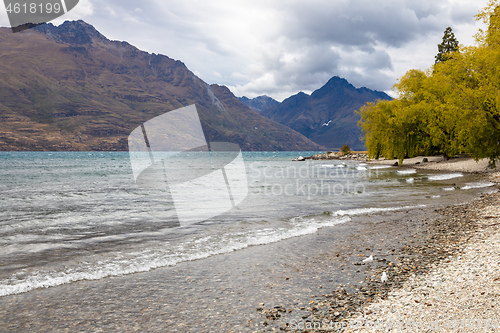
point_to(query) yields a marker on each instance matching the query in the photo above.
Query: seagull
(384, 278)
(369, 259)
(327, 124)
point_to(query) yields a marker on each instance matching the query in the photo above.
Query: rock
(339, 156)
(425, 160)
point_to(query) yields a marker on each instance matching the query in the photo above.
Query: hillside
(327, 116)
(71, 88)
(260, 104)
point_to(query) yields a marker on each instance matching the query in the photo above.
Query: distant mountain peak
(336, 80)
(260, 104)
(335, 84)
(327, 115)
(72, 32)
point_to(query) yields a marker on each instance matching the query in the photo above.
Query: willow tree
(483, 138)
(396, 128)
(452, 108)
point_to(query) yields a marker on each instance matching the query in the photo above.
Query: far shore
(438, 163)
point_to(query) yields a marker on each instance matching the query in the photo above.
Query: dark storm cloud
(361, 23)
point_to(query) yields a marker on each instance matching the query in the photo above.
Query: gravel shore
(439, 163)
(459, 294)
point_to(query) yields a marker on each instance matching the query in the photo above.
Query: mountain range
(327, 116)
(260, 104)
(71, 88)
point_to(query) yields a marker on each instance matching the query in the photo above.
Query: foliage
(345, 149)
(448, 46)
(452, 108)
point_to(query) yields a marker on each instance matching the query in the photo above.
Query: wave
(446, 176)
(378, 167)
(477, 185)
(97, 268)
(407, 172)
(169, 255)
(363, 211)
(333, 165)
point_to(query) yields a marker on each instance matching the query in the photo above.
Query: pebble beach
(459, 293)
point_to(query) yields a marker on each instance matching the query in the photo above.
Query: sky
(281, 47)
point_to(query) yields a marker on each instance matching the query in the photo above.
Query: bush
(345, 149)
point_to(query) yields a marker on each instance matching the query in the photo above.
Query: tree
(448, 46)
(450, 109)
(345, 149)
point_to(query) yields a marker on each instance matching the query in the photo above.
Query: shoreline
(411, 295)
(436, 163)
(261, 288)
(439, 163)
(457, 294)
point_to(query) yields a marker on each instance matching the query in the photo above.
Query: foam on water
(477, 185)
(449, 189)
(378, 167)
(407, 172)
(446, 176)
(372, 210)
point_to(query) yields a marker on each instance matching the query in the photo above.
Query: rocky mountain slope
(260, 104)
(71, 88)
(327, 116)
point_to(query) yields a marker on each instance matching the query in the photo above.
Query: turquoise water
(68, 216)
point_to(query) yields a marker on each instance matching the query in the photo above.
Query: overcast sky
(281, 47)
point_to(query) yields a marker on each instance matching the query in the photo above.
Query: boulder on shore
(339, 156)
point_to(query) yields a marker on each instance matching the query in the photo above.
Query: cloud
(370, 43)
(82, 10)
(282, 47)
(363, 22)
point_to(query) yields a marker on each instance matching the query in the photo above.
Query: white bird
(369, 259)
(384, 278)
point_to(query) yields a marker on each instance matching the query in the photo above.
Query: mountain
(327, 115)
(71, 88)
(260, 104)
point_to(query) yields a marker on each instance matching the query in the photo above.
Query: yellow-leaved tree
(452, 108)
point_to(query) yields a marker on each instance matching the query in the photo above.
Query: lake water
(70, 216)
